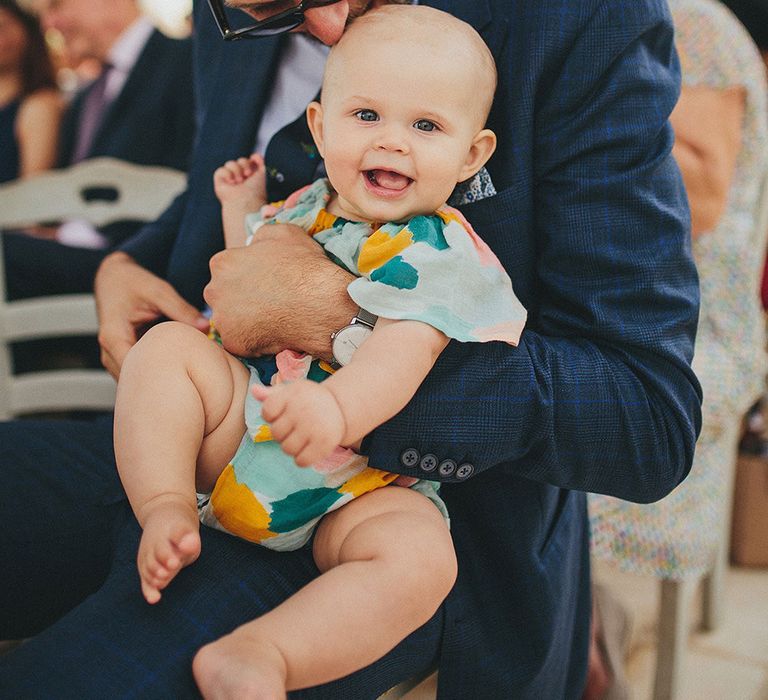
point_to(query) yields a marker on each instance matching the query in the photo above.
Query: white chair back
(99, 191)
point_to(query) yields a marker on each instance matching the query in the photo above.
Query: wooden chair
(99, 191)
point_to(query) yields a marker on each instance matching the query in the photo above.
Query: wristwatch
(346, 340)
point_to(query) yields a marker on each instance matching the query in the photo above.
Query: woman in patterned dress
(721, 146)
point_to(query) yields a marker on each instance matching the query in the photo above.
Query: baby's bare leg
(178, 420)
(387, 562)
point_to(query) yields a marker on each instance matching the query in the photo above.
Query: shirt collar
(129, 45)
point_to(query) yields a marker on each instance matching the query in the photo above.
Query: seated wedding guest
(721, 146)
(30, 106)
(753, 14)
(139, 109)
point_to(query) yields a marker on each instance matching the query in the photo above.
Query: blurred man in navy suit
(139, 109)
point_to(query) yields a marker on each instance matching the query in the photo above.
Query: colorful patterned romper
(433, 269)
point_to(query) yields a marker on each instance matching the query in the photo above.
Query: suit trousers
(70, 583)
(38, 267)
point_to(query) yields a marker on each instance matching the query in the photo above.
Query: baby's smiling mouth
(388, 179)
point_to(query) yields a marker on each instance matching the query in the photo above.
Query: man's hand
(304, 418)
(128, 298)
(281, 292)
(46, 232)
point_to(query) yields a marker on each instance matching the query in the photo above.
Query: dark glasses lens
(279, 23)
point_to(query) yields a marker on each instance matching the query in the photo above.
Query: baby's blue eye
(366, 115)
(425, 125)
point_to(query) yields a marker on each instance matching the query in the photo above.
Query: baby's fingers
(273, 402)
(281, 427)
(222, 174)
(234, 171)
(246, 167)
(261, 392)
(257, 161)
(294, 443)
(313, 452)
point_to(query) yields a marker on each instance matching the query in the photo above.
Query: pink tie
(94, 106)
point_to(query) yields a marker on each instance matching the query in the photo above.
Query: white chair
(99, 191)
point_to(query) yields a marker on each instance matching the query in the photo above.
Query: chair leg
(712, 592)
(714, 581)
(672, 637)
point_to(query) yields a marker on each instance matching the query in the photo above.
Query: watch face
(347, 340)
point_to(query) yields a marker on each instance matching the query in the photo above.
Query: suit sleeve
(599, 395)
(152, 244)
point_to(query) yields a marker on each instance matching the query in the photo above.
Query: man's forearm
(281, 292)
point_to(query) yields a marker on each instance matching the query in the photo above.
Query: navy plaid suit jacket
(591, 222)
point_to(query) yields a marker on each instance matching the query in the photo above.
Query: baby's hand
(304, 417)
(244, 179)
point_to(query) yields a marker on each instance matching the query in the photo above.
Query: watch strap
(366, 317)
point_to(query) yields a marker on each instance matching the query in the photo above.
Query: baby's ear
(482, 148)
(315, 123)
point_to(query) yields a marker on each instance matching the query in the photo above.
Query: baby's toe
(151, 593)
(188, 544)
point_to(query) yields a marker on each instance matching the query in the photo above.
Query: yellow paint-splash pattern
(323, 221)
(369, 479)
(237, 509)
(264, 434)
(380, 248)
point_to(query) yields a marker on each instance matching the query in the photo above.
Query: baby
(397, 134)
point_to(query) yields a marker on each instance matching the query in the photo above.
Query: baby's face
(397, 133)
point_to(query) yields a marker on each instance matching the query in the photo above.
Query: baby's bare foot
(170, 541)
(236, 667)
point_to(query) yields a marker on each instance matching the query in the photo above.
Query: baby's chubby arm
(241, 187)
(310, 419)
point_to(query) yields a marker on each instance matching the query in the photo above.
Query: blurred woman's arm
(707, 124)
(37, 131)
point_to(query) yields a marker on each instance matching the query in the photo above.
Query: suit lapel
(133, 89)
(242, 83)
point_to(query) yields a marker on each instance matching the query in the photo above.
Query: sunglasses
(278, 23)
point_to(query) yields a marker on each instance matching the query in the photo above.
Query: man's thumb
(179, 310)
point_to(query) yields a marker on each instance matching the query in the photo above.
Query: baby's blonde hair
(436, 29)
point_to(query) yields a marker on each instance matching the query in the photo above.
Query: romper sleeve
(301, 208)
(437, 270)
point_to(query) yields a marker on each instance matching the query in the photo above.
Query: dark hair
(36, 66)
(753, 14)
